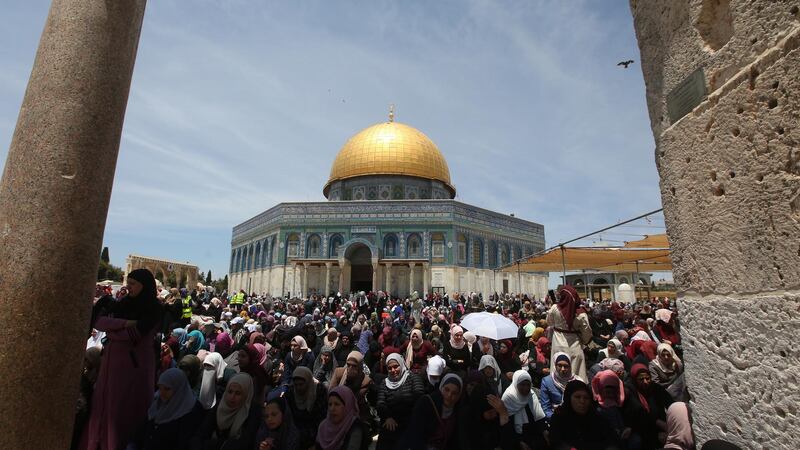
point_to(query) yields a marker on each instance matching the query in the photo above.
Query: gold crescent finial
(391, 112)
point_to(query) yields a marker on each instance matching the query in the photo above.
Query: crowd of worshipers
(256, 372)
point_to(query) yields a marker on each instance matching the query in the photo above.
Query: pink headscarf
(453, 330)
(603, 380)
(262, 353)
(679, 430)
(331, 436)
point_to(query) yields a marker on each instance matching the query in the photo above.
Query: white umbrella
(493, 326)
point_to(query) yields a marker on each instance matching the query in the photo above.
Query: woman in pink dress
(126, 381)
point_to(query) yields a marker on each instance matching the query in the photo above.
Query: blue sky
(238, 105)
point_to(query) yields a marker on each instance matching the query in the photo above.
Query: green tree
(208, 278)
(104, 255)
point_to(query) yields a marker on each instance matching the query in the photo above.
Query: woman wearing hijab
(437, 422)
(341, 429)
(484, 425)
(679, 428)
(352, 375)
(249, 363)
(417, 351)
(553, 385)
(539, 365)
(576, 424)
(233, 423)
(525, 412)
(195, 341)
(481, 346)
(216, 375)
(224, 344)
(492, 374)
(324, 366)
(192, 367)
(457, 352)
(645, 407)
(614, 349)
(173, 416)
(277, 430)
(433, 373)
(609, 392)
(571, 330)
(299, 356)
(396, 397)
(643, 351)
(667, 370)
(307, 400)
(507, 361)
(127, 373)
(666, 329)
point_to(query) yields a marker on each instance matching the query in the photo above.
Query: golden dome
(390, 148)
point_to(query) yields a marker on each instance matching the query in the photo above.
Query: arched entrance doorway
(360, 258)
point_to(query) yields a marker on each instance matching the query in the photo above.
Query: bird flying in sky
(625, 63)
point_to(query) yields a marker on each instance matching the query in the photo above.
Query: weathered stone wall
(730, 183)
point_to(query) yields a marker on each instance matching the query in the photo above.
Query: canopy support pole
(563, 267)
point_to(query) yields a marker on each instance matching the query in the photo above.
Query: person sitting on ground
(341, 429)
(173, 416)
(576, 425)
(277, 430)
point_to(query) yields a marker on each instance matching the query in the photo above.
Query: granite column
(54, 199)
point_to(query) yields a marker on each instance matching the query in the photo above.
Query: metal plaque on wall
(687, 95)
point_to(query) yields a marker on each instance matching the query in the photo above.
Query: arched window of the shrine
(390, 245)
(292, 246)
(528, 251)
(274, 252)
(233, 261)
(336, 242)
(461, 247)
(237, 265)
(265, 253)
(258, 255)
(477, 252)
(517, 252)
(505, 258)
(492, 255)
(246, 259)
(414, 246)
(314, 247)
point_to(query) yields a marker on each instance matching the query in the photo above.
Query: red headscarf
(647, 348)
(540, 346)
(636, 369)
(568, 302)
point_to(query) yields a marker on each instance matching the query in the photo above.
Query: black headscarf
(145, 308)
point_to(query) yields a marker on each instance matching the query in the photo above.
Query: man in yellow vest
(237, 300)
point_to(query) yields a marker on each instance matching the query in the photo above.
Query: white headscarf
(489, 361)
(233, 419)
(676, 362)
(640, 336)
(403, 371)
(516, 402)
(435, 368)
(213, 370)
